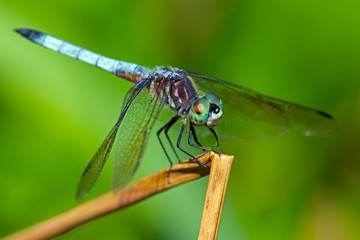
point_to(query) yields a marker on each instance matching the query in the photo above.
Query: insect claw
(200, 162)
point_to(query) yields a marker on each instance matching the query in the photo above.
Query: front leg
(217, 140)
(193, 134)
(179, 141)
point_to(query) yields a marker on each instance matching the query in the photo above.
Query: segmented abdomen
(129, 71)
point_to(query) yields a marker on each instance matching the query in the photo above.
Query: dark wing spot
(324, 114)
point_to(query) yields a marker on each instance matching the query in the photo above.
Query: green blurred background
(55, 111)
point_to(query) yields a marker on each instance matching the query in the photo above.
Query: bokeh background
(55, 111)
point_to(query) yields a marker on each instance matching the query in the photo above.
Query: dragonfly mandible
(196, 99)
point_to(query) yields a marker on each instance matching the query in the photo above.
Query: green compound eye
(215, 111)
(199, 111)
(212, 98)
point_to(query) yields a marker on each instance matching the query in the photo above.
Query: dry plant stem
(180, 173)
(215, 196)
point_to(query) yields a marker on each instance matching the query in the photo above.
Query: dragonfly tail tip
(26, 32)
(22, 31)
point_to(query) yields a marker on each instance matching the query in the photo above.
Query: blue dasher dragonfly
(196, 99)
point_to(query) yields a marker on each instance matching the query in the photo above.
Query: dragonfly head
(206, 110)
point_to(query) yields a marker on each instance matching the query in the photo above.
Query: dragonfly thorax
(174, 88)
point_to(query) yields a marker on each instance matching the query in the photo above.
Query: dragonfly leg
(193, 134)
(183, 150)
(217, 140)
(166, 128)
(167, 136)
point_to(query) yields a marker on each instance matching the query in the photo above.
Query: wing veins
(96, 164)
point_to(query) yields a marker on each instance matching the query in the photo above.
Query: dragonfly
(236, 112)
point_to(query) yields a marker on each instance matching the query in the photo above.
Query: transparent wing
(96, 164)
(133, 135)
(251, 115)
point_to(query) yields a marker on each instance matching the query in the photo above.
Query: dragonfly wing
(96, 164)
(251, 115)
(133, 135)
